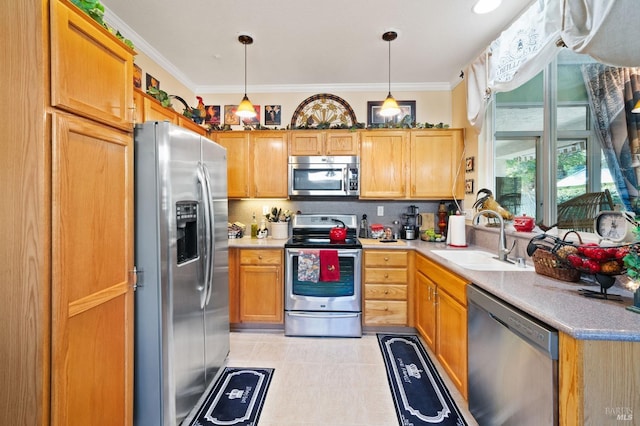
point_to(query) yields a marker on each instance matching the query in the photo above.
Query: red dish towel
(329, 265)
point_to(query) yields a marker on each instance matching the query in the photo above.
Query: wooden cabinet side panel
(570, 381)
(234, 286)
(25, 215)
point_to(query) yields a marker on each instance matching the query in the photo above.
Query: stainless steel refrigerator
(182, 298)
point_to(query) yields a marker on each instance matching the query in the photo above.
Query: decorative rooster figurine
(200, 109)
(487, 202)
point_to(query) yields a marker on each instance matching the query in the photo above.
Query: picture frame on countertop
(137, 76)
(374, 118)
(253, 120)
(468, 186)
(152, 82)
(230, 116)
(468, 164)
(213, 114)
(272, 115)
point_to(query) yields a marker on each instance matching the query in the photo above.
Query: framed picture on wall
(468, 164)
(152, 82)
(213, 114)
(272, 115)
(230, 116)
(374, 118)
(468, 186)
(254, 120)
(137, 76)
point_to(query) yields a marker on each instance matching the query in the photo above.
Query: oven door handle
(324, 314)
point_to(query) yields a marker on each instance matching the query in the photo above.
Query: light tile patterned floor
(322, 381)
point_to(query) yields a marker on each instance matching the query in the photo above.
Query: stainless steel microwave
(324, 176)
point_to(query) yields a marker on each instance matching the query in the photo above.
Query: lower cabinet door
(426, 309)
(451, 343)
(261, 294)
(92, 282)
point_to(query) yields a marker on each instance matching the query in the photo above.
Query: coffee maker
(411, 221)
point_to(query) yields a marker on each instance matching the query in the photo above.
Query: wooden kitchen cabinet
(256, 163)
(329, 142)
(425, 307)
(67, 219)
(383, 155)
(238, 176)
(261, 286)
(411, 164)
(268, 157)
(386, 287)
(441, 317)
(88, 69)
(436, 164)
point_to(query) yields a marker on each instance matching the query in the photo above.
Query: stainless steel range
(323, 278)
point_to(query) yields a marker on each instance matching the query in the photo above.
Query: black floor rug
(419, 394)
(235, 399)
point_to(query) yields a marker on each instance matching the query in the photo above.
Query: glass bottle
(254, 226)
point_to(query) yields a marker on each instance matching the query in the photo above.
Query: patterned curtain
(613, 92)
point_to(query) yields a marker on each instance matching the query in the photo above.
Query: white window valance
(606, 30)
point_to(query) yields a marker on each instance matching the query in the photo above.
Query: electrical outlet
(380, 210)
(468, 214)
(265, 210)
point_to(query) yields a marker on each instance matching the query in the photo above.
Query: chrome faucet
(503, 252)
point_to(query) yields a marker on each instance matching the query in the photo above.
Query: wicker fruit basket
(566, 260)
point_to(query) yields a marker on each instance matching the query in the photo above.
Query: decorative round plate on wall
(323, 111)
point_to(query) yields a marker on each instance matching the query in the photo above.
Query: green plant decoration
(160, 95)
(95, 10)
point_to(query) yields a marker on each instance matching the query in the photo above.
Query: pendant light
(245, 109)
(390, 107)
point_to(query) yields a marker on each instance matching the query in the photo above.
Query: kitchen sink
(480, 260)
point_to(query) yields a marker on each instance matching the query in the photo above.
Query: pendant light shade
(390, 107)
(245, 109)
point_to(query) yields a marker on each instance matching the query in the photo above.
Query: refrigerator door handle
(207, 234)
(212, 227)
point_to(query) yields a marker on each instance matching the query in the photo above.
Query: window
(544, 126)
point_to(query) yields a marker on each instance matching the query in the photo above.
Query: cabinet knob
(386, 275)
(386, 308)
(386, 259)
(260, 257)
(386, 292)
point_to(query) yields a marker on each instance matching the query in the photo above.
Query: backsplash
(242, 210)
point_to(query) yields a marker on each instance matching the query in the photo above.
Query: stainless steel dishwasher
(513, 364)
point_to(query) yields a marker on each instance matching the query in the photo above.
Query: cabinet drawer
(385, 275)
(260, 257)
(385, 312)
(385, 292)
(395, 258)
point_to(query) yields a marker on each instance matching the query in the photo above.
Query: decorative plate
(323, 111)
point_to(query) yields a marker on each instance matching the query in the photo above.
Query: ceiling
(302, 46)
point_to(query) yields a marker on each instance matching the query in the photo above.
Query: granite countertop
(554, 302)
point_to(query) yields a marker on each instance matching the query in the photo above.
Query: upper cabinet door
(91, 70)
(341, 143)
(382, 164)
(436, 164)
